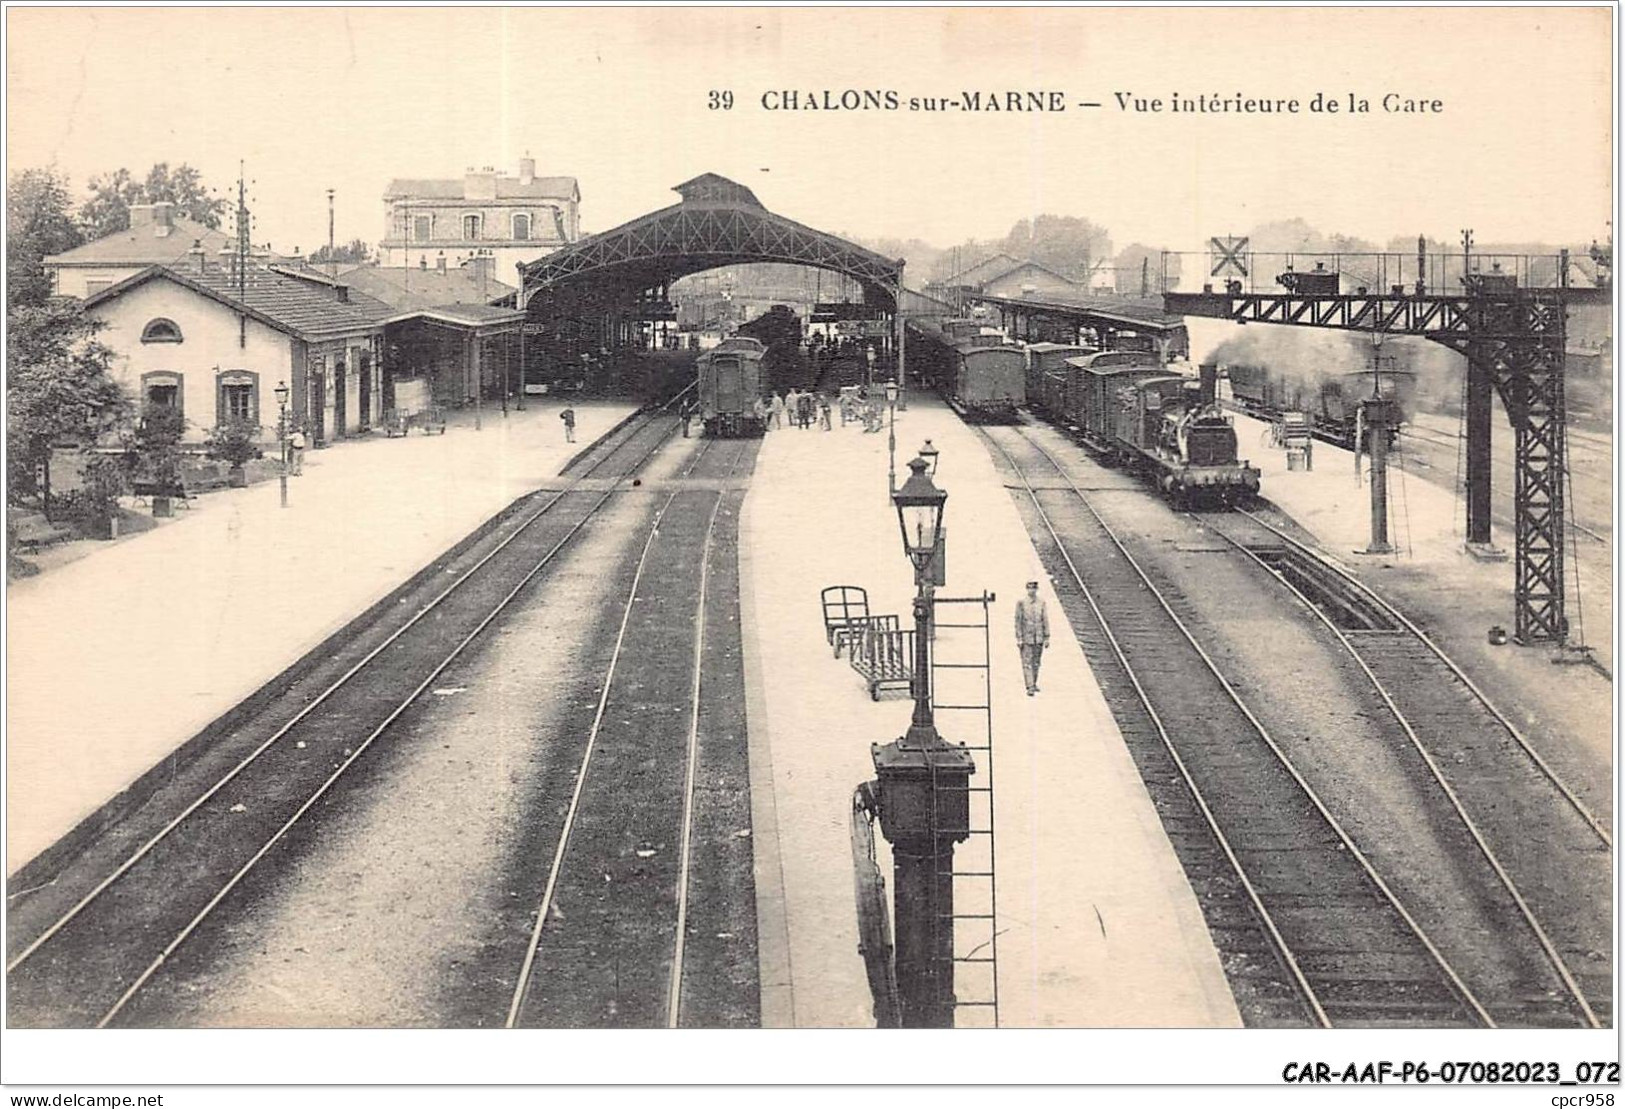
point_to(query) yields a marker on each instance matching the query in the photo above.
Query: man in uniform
(1032, 634)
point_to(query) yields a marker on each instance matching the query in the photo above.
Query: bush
(234, 442)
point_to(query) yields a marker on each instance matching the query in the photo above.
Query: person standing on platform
(777, 410)
(823, 411)
(1032, 634)
(569, 418)
(296, 452)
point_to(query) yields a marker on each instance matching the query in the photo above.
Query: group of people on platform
(800, 408)
(803, 409)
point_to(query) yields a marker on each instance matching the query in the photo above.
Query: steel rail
(1461, 675)
(146, 847)
(675, 989)
(1282, 950)
(1449, 972)
(556, 867)
(338, 772)
(1548, 949)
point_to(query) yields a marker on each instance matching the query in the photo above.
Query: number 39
(721, 101)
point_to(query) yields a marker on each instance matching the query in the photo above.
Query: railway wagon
(1166, 425)
(983, 378)
(1332, 404)
(730, 381)
(990, 382)
(1043, 358)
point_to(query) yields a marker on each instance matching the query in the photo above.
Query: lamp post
(923, 795)
(891, 438)
(281, 392)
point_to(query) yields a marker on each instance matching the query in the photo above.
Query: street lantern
(919, 505)
(930, 453)
(281, 392)
(923, 790)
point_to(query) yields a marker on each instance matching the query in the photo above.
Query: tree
(1141, 270)
(39, 222)
(1069, 245)
(111, 194)
(59, 386)
(356, 250)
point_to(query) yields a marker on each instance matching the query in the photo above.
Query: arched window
(471, 228)
(161, 330)
(521, 226)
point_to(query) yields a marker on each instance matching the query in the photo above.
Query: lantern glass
(281, 391)
(919, 505)
(930, 454)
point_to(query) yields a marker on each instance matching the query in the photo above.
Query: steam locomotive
(1132, 409)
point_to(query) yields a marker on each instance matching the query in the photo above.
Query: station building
(511, 219)
(201, 338)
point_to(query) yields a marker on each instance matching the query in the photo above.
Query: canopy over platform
(718, 222)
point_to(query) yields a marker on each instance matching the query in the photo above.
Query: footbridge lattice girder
(1519, 338)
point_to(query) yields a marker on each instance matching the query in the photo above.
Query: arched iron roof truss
(717, 223)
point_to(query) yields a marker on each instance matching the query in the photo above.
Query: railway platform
(1098, 925)
(108, 675)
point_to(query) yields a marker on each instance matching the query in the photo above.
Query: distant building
(1006, 276)
(1031, 279)
(510, 219)
(157, 236)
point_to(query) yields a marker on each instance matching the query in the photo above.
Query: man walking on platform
(569, 418)
(1032, 634)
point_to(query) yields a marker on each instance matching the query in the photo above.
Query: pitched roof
(403, 287)
(288, 304)
(140, 246)
(508, 188)
(1031, 265)
(463, 315)
(985, 270)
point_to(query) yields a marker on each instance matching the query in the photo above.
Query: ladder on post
(962, 690)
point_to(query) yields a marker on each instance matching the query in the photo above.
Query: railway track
(613, 936)
(1242, 816)
(1550, 850)
(1504, 467)
(86, 943)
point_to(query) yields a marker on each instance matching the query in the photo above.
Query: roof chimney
(197, 256)
(163, 218)
(141, 217)
(527, 170)
(480, 184)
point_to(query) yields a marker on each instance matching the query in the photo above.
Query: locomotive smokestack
(1210, 382)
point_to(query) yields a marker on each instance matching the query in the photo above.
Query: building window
(422, 228)
(471, 228)
(239, 397)
(521, 226)
(163, 390)
(161, 330)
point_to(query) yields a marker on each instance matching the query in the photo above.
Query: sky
(311, 99)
